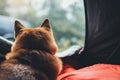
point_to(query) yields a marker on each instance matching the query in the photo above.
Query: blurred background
(67, 18)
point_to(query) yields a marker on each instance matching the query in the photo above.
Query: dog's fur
(32, 55)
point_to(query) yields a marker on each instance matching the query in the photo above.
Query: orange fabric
(67, 69)
(95, 72)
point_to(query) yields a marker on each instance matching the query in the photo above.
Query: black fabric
(5, 46)
(102, 44)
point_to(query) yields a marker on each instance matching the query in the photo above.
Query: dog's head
(40, 38)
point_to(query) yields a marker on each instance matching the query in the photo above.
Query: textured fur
(32, 55)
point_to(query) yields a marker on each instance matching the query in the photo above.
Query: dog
(32, 55)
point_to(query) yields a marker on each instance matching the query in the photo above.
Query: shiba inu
(32, 55)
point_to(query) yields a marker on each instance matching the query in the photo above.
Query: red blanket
(95, 72)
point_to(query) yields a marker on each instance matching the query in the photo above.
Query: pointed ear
(17, 27)
(46, 24)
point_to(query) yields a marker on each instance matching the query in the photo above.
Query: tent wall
(102, 44)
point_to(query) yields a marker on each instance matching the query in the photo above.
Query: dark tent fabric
(102, 43)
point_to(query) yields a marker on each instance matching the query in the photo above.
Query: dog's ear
(17, 27)
(46, 24)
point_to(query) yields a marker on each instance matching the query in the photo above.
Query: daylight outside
(66, 17)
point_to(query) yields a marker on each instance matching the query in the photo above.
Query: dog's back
(32, 55)
(30, 65)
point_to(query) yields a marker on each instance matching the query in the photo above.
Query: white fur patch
(21, 70)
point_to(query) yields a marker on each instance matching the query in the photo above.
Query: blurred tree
(68, 25)
(3, 7)
(64, 28)
(79, 20)
(30, 16)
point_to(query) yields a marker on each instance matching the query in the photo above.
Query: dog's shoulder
(23, 64)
